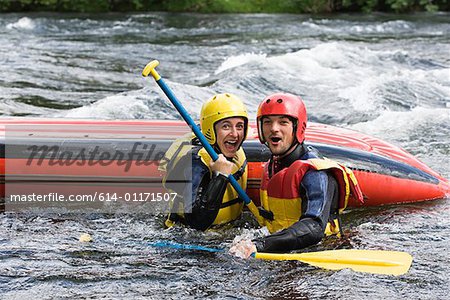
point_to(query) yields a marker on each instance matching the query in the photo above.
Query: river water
(384, 75)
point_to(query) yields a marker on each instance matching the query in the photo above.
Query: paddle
(150, 69)
(367, 261)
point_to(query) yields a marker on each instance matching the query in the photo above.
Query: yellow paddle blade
(369, 261)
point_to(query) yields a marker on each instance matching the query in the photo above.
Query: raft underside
(386, 174)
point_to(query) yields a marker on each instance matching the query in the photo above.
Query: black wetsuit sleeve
(319, 190)
(204, 198)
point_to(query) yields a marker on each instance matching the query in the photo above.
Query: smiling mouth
(275, 139)
(231, 143)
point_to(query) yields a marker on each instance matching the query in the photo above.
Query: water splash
(239, 60)
(23, 23)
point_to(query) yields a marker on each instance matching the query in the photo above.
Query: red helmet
(283, 104)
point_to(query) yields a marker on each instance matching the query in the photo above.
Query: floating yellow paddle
(368, 261)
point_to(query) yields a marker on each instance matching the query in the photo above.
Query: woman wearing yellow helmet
(206, 198)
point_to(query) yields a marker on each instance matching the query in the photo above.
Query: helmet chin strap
(218, 151)
(217, 148)
(293, 146)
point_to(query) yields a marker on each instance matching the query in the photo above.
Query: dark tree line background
(226, 6)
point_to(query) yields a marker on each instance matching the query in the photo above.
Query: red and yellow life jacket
(281, 193)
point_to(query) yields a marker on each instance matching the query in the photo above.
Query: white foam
(23, 23)
(11, 107)
(386, 27)
(241, 59)
(334, 69)
(118, 106)
(400, 124)
(316, 64)
(362, 97)
(146, 103)
(364, 77)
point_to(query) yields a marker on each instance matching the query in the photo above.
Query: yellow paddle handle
(150, 69)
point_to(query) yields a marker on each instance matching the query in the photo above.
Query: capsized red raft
(76, 154)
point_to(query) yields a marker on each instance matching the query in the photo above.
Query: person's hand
(222, 165)
(242, 248)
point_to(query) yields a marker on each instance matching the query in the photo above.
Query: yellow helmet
(219, 107)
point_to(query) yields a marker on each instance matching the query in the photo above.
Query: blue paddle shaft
(185, 115)
(173, 245)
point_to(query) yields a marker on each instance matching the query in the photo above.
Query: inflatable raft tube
(71, 154)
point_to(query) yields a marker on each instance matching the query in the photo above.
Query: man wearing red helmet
(303, 190)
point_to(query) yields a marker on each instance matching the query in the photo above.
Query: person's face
(278, 132)
(229, 135)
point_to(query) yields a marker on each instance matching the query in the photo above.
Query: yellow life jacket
(231, 207)
(177, 150)
(281, 193)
